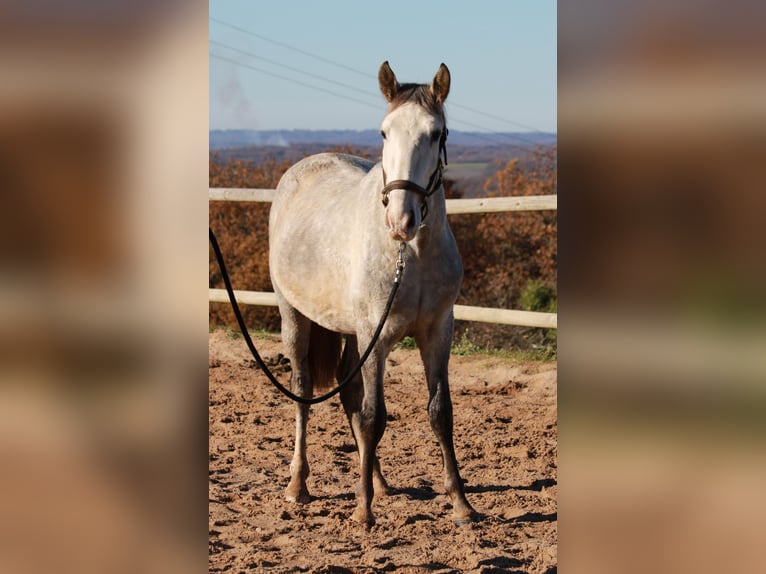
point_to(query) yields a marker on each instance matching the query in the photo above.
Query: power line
(297, 70)
(311, 86)
(486, 136)
(293, 48)
(361, 73)
(374, 95)
(494, 117)
(499, 134)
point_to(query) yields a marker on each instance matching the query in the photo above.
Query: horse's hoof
(302, 498)
(297, 495)
(382, 488)
(363, 516)
(463, 521)
(466, 518)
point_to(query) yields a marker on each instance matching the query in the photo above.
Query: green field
(468, 167)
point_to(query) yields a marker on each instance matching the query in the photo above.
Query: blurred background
(662, 342)
(103, 298)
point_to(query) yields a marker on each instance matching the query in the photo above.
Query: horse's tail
(324, 356)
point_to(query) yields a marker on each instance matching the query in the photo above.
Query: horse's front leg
(368, 425)
(434, 344)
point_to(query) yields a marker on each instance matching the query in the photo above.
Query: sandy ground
(506, 442)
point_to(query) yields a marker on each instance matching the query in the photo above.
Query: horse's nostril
(404, 229)
(401, 234)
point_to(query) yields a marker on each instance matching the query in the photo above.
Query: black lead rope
(259, 361)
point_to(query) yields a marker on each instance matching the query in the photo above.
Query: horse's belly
(320, 301)
(312, 275)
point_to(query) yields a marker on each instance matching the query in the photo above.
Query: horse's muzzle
(404, 227)
(399, 235)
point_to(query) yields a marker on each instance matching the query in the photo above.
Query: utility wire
(373, 95)
(360, 72)
(486, 136)
(494, 117)
(297, 70)
(499, 134)
(311, 86)
(293, 48)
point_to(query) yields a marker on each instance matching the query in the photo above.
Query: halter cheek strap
(434, 182)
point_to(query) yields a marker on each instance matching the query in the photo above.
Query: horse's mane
(420, 94)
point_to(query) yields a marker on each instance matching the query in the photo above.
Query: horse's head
(414, 133)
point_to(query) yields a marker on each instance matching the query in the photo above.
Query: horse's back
(316, 197)
(319, 175)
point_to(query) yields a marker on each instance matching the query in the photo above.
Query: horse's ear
(440, 85)
(387, 81)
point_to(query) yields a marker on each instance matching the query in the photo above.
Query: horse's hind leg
(296, 329)
(434, 348)
(351, 397)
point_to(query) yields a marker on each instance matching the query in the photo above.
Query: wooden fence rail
(454, 207)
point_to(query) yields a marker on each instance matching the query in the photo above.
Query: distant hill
(472, 157)
(228, 139)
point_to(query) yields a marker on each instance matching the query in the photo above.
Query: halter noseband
(434, 182)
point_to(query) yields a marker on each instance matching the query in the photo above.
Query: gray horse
(335, 230)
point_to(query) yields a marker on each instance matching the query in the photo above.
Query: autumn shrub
(503, 252)
(242, 230)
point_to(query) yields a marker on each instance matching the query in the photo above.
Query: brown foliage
(242, 230)
(503, 251)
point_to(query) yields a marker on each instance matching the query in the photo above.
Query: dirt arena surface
(506, 443)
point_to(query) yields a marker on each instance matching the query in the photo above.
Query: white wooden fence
(454, 206)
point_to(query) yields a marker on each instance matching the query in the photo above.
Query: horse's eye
(435, 135)
(383, 134)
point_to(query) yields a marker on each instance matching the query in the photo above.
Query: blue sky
(501, 55)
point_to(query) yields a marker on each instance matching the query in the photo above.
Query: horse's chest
(429, 289)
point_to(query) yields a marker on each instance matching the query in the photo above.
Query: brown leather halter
(434, 182)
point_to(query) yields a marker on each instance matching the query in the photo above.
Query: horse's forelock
(420, 94)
